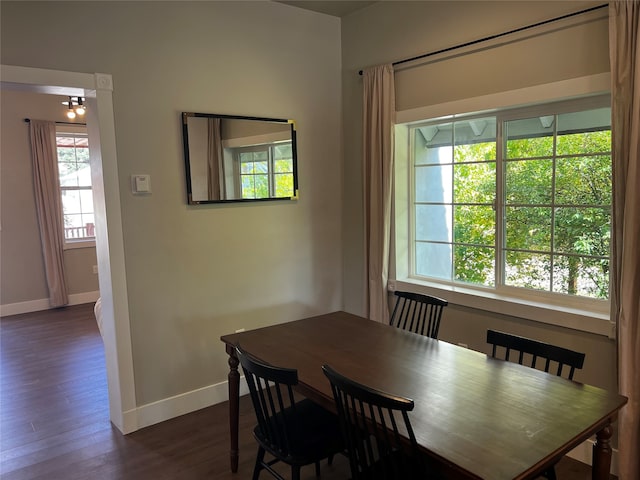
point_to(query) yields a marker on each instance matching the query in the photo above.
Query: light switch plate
(141, 183)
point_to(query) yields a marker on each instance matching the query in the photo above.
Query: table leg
(234, 404)
(602, 454)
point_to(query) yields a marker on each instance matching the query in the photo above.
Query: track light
(70, 113)
(75, 107)
(80, 108)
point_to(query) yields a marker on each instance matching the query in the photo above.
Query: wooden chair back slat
(417, 313)
(536, 349)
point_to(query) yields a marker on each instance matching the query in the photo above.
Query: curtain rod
(498, 35)
(27, 120)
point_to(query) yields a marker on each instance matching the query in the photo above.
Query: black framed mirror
(231, 158)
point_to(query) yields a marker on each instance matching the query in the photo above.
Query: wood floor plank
(54, 416)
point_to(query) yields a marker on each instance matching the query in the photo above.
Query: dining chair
(418, 313)
(298, 433)
(536, 350)
(371, 422)
(528, 352)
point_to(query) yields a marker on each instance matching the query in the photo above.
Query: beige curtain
(378, 120)
(624, 45)
(215, 161)
(49, 206)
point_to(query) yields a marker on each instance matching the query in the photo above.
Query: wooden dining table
(474, 417)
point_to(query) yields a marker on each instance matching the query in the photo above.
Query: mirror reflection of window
(283, 170)
(264, 171)
(231, 158)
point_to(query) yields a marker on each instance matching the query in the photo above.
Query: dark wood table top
(481, 417)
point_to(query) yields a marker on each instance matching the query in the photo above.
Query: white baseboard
(583, 453)
(182, 404)
(43, 304)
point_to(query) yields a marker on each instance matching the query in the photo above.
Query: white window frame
(70, 244)
(591, 316)
(271, 173)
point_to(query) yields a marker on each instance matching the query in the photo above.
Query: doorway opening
(97, 89)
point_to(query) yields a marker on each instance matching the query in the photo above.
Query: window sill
(79, 244)
(596, 322)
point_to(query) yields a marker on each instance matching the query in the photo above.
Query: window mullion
(499, 203)
(552, 247)
(453, 203)
(411, 239)
(270, 171)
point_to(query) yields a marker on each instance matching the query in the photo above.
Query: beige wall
(22, 277)
(195, 273)
(391, 31)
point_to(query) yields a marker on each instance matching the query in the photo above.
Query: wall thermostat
(141, 183)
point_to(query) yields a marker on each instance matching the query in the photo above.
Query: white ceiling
(336, 8)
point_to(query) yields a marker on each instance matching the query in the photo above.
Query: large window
(515, 200)
(75, 185)
(265, 170)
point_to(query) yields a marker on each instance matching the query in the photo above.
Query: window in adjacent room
(516, 201)
(265, 170)
(75, 186)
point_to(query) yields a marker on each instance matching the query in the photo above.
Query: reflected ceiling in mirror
(232, 158)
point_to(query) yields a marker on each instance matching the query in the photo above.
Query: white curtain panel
(624, 45)
(49, 206)
(378, 122)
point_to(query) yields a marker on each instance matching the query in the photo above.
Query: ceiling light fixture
(75, 107)
(70, 113)
(80, 108)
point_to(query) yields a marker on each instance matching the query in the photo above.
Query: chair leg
(317, 469)
(330, 460)
(259, 460)
(295, 472)
(550, 473)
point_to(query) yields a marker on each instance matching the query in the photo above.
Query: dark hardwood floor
(54, 415)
